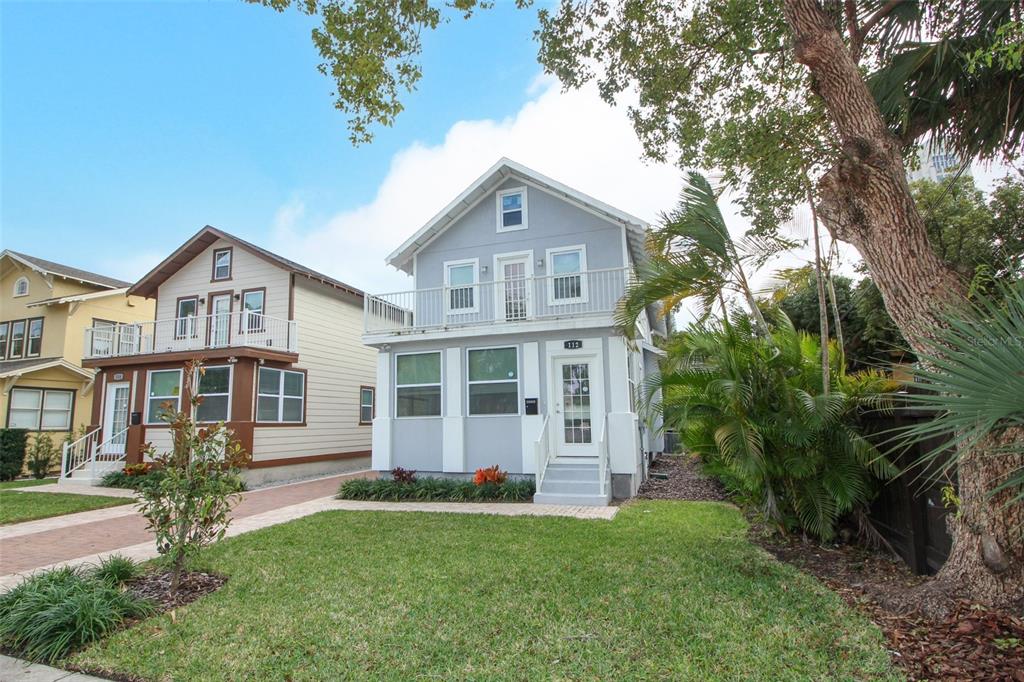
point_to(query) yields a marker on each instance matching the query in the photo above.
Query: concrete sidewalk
(12, 669)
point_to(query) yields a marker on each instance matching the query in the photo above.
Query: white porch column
(531, 423)
(453, 451)
(623, 431)
(380, 459)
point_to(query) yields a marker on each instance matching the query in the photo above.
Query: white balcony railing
(512, 300)
(199, 332)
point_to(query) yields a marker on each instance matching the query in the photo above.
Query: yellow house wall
(81, 412)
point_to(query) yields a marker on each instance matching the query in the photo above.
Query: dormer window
(21, 287)
(512, 209)
(221, 264)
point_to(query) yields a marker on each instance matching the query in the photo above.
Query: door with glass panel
(512, 293)
(220, 320)
(578, 406)
(115, 418)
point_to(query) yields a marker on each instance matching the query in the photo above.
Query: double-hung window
(252, 310)
(493, 381)
(460, 281)
(567, 281)
(213, 386)
(281, 395)
(35, 338)
(221, 264)
(185, 326)
(17, 346)
(512, 210)
(164, 387)
(418, 384)
(39, 409)
(367, 406)
(4, 330)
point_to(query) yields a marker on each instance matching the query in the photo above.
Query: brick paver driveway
(74, 540)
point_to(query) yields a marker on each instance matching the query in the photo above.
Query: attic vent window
(21, 287)
(512, 210)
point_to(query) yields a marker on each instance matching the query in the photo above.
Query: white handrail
(541, 452)
(76, 454)
(602, 455)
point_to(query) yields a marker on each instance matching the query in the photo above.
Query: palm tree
(693, 257)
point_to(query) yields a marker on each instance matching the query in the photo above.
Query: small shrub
(12, 453)
(41, 455)
(490, 475)
(134, 481)
(117, 569)
(138, 469)
(400, 475)
(53, 613)
(435, 490)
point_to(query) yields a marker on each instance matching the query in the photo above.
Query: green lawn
(16, 506)
(26, 482)
(668, 590)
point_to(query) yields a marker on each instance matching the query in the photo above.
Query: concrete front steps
(83, 476)
(573, 481)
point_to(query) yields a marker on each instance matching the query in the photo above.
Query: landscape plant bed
(155, 586)
(683, 480)
(931, 635)
(435, 490)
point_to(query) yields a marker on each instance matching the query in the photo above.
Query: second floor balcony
(193, 333)
(503, 301)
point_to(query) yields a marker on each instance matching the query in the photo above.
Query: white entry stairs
(574, 481)
(87, 460)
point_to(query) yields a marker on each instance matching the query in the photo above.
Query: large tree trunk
(865, 200)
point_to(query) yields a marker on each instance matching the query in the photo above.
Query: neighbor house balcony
(193, 334)
(592, 293)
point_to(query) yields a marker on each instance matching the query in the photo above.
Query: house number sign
(574, 344)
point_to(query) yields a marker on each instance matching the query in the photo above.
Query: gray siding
(493, 440)
(417, 444)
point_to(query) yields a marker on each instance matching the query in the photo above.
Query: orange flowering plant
(490, 475)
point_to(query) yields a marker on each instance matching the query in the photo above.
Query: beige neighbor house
(44, 310)
(284, 364)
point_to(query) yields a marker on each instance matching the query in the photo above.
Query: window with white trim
(188, 310)
(21, 287)
(221, 264)
(567, 282)
(40, 409)
(35, 338)
(493, 380)
(367, 404)
(164, 386)
(512, 209)
(4, 330)
(280, 396)
(213, 385)
(418, 384)
(461, 279)
(17, 347)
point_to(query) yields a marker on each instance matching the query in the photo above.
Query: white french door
(220, 320)
(578, 404)
(115, 418)
(512, 294)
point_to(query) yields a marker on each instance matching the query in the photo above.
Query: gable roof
(16, 368)
(48, 267)
(636, 229)
(76, 298)
(201, 240)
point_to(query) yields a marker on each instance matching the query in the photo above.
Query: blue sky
(127, 126)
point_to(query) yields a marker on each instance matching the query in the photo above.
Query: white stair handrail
(76, 454)
(541, 453)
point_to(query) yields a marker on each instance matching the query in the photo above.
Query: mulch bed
(156, 587)
(685, 481)
(931, 635)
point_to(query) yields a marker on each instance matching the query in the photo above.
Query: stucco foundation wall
(494, 440)
(416, 444)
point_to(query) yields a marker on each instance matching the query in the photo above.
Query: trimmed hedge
(435, 490)
(12, 453)
(121, 479)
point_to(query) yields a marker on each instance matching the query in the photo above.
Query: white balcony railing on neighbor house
(199, 332)
(512, 300)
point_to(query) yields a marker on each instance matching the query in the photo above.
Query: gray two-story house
(506, 351)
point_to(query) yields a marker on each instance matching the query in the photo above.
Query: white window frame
(499, 283)
(42, 392)
(231, 386)
(501, 213)
(6, 338)
(584, 296)
(372, 405)
(280, 395)
(517, 381)
(172, 398)
(24, 339)
(17, 285)
(475, 286)
(186, 326)
(439, 384)
(29, 337)
(219, 252)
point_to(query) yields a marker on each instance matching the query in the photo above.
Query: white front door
(512, 293)
(115, 418)
(220, 320)
(578, 404)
